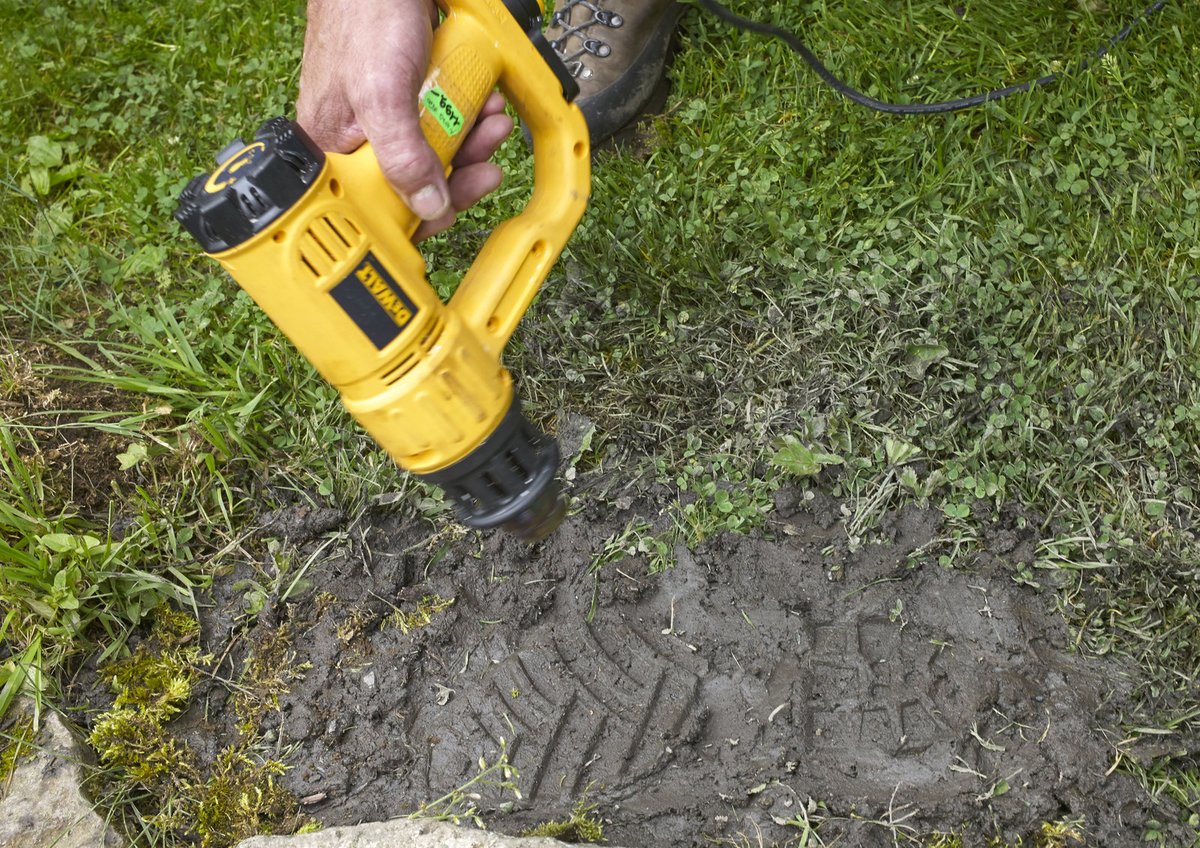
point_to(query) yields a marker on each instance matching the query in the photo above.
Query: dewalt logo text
(372, 300)
(369, 276)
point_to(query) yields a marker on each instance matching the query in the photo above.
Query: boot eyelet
(597, 48)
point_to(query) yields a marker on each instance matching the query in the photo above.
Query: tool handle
(463, 70)
(478, 45)
(516, 258)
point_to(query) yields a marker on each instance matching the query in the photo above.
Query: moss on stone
(427, 608)
(582, 827)
(267, 673)
(134, 744)
(157, 678)
(353, 624)
(16, 745)
(242, 798)
(178, 797)
(1057, 834)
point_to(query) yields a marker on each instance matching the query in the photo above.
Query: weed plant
(992, 313)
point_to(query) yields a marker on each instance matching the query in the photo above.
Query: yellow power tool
(324, 245)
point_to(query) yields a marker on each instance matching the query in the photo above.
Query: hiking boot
(617, 52)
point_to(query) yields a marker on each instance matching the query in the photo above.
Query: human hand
(364, 62)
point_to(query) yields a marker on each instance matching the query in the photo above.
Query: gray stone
(41, 805)
(401, 833)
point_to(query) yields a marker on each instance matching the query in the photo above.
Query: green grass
(992, 313)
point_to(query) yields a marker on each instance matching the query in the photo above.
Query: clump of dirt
(763, 681)
(79, 460)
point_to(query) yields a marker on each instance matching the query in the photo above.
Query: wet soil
(762, 679)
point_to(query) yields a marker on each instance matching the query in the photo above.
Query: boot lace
(576, 44)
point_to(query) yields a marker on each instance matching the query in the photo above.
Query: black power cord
(793, 41)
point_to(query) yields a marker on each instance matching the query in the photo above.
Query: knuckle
(330, 130)
(401, 162)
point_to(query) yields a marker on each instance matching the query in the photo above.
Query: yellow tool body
(324, 246)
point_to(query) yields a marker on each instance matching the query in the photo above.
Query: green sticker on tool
(443, 110)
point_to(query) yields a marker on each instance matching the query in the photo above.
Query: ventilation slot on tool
(415, 355)
(327, 243)
(253, 203)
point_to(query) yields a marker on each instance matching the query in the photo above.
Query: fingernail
(429, 203)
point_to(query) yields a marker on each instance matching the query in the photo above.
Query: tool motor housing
(324, 246)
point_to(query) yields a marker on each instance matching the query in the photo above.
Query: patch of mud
(712, 700)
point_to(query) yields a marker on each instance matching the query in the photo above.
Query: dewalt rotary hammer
(324, 245)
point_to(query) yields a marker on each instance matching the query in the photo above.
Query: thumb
(387, 112)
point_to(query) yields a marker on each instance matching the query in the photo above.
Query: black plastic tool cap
(254, 184)
(508, 481)
(527, 12)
